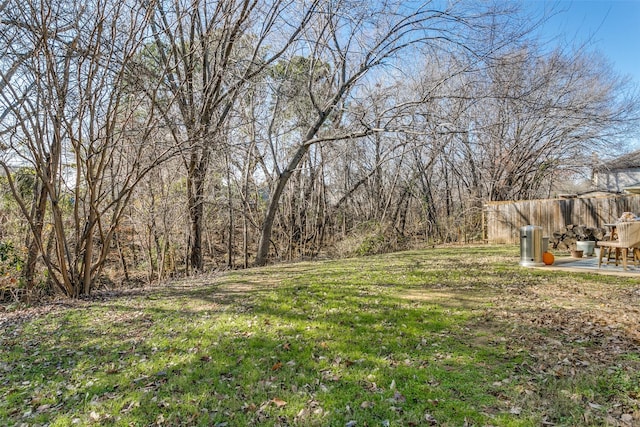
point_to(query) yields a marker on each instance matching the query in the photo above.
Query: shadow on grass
(131, 363)
(369, 340)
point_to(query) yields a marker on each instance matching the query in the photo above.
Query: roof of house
(626, 161)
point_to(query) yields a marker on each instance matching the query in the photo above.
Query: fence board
(503, 220)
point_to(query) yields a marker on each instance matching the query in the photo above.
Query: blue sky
(612, 27)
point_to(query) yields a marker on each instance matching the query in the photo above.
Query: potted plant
(586, 246)
(575, 252)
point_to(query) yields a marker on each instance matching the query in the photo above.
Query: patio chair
(628, 238)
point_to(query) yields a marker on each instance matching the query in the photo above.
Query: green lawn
(445, 336)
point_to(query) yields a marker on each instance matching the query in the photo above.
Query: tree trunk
(87, 277)
(196, 212)
(230, 212)
(35, 242)
(195, 187)
(123, 260)
(274, 202)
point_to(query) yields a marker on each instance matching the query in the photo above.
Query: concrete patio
(589, 264)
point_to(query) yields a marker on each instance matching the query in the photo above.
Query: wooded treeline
(169, 137)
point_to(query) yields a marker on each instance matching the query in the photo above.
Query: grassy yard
(445, 336)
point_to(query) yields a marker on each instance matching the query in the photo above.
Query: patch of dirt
(12, 315)
(450, 297)
(576, 312)
(198, 287)
(574, 330)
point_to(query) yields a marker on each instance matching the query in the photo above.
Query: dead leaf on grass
(132, 405)
(372, 387)
(249, 407)
(278, 402)
(627, 419)
(43, 408)
(328, 375)
(398, 397)
(430, 419)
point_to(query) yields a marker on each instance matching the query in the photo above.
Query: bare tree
(356, 39)
(537, 117)
(71, 117)
(512, 129)
(205, 52)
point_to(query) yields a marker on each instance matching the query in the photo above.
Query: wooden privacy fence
(503, 220)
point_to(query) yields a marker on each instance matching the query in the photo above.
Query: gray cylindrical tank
(531, 246)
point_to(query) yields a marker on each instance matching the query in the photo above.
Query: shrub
(10, 267)
(370, 239)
